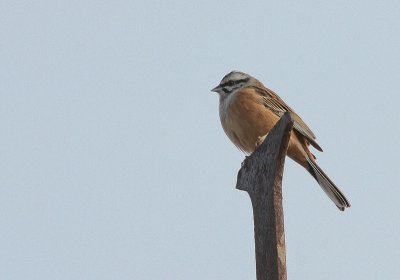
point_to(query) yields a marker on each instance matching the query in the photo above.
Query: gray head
(233, 82)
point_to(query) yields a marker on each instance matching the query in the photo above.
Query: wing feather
(274, 103)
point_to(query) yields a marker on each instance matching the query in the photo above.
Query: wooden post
(261, 176)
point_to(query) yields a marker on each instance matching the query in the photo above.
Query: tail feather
(328, 186)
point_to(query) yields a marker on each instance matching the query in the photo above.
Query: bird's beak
(216, 89)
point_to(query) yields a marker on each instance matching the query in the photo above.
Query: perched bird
(248, 111)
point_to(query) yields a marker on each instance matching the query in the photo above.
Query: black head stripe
(232, 83)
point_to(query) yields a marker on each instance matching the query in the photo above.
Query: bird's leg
(260, 140)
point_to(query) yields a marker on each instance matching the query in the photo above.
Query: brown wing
(274, 103)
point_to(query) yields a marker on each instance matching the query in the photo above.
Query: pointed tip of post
(287, 118)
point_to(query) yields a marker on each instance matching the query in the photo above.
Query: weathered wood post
(261, 176)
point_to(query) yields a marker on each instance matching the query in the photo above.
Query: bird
(248, 111)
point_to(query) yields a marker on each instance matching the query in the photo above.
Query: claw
(244, 161)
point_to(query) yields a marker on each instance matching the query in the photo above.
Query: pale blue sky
(113, 162)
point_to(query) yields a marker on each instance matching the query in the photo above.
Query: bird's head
(233, 82)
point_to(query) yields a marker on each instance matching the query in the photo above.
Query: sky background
(114, 164)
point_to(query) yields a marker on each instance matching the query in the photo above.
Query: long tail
(328, 186)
